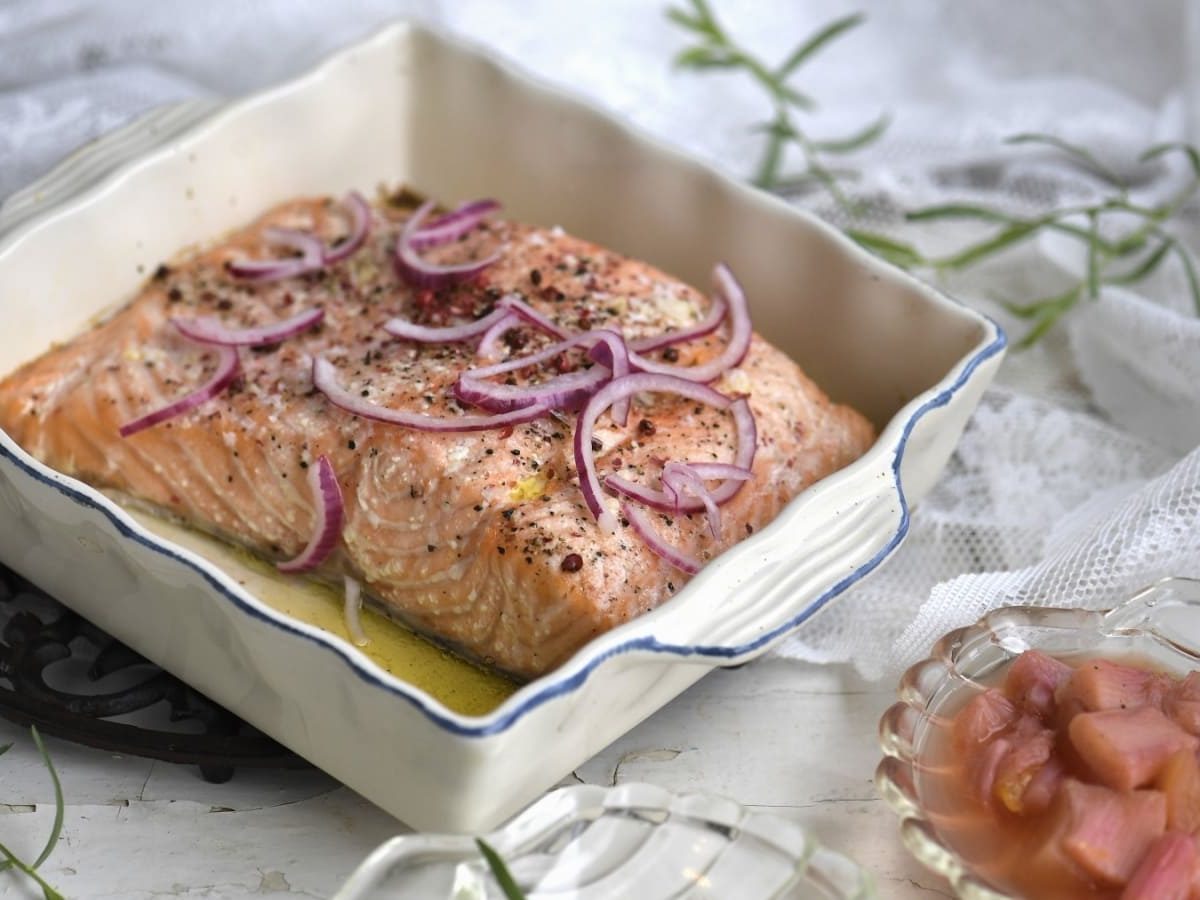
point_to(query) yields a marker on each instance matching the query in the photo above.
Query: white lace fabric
(1077, 481)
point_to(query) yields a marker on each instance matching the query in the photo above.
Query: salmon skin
(481, 540)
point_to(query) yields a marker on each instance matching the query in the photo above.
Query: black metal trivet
(62, 673)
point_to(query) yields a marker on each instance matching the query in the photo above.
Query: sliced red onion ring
(727, 288)
(706, 326)
(515, 304)
(425, 334)
(420, 273)
(567, 391)
(669, 500)
(211, 331)
(327, 525)
(679, 477)
(640, 520)
(227, 370)
(509, 311)
(453, 225)
(312, 257)
(620, 388)
(360, 226)
(489, 344)
(325, 380)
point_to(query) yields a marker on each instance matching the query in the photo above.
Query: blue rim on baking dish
(576, 672)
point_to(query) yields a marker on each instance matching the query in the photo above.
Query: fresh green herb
(10, 859)
(1128, 259)
(500, 871)
(716, 50)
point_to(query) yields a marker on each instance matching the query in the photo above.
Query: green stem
(768, 168)
(13, 860)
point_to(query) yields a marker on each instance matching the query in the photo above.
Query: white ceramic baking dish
(410, 106)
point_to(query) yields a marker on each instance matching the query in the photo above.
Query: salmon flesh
(480, 540)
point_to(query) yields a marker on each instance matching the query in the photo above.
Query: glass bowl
(635, 840)
(1160, 625)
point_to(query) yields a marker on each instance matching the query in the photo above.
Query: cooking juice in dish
(1072, 778)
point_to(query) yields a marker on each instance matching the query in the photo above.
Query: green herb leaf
(958, 211)
(717, 51)
(5, 749)
(704, 57)
(11, 860)
(1144, 268)
(1082, 155)
(1093, 256)
(796, 98)
(1047, 312)
(59, 805)
(1007, 237)
(896, 252)
(817, 41)
(1160, 149)
(1189, 270)
(684, 19)
(858, 140)
(500, 871)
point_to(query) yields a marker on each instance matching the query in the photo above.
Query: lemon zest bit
(529, 488)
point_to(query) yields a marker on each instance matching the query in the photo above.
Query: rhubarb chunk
(1107, 832)
(1100, 684)
(1180, 781)
(1166, 871)
(1127, 748)
(982, 718)
(1182, 704)
(1032, 681)
(1031, 749)
(1042, 787)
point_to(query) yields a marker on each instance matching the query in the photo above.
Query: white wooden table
(798, 740)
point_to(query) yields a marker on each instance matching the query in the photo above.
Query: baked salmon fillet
(490, 541)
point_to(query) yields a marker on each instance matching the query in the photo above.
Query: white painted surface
(796, 739)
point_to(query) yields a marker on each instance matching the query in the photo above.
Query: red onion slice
(728, 289)
(425, 334)
(489, 344)
(706, 326)
(567, 391)
(420, 273)
(640, 520)
(620, 388)
(515, 304)
(453, 225)
(211, 331)
(327, 524)
(312, 257)
(679, 477)
(668, 499)
(325, 380)
(227, 371)
(360, 226)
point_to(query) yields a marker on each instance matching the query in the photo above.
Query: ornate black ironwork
(42, 643)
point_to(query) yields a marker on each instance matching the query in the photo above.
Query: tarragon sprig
(1127, 259)
(715, 49)
(11, 860)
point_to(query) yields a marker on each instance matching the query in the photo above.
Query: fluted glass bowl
(1160, 625)
(635, 840)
